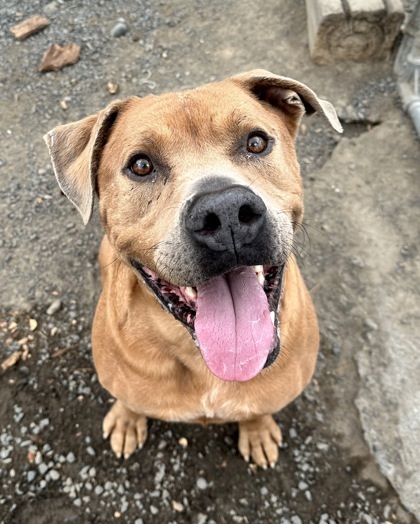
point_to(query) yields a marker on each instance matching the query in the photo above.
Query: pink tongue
(233, 325)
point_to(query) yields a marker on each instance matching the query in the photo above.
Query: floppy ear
(289, 95)
(75, 153)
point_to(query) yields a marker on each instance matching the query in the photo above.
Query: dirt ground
(55, 466)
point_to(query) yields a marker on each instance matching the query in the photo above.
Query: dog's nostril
(211, 223)
(247, 215)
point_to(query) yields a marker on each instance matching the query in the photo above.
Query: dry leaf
(11, 360)
(29, 27)
(56, 57)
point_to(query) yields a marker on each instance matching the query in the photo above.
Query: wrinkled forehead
(208, 115)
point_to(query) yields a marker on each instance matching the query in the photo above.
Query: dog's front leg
(127, 429)
(259, 439)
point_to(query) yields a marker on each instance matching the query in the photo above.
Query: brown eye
(141, 166)
(256, 144)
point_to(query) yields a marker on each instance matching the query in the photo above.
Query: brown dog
(200, 196)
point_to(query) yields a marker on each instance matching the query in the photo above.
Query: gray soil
(358, 255)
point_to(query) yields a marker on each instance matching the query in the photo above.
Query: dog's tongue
(233, 325)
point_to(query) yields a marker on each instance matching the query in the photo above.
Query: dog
(204, 316)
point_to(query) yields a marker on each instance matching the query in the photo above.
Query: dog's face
(200, 193)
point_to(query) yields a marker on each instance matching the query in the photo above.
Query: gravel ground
(55, 466)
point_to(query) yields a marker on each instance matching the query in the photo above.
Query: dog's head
(200, 193)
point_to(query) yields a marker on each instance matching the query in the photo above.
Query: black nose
(226, 219)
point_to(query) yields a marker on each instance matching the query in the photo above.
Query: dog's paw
(260, 439)
(127, 430)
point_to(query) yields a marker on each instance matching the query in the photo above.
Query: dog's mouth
(233, 318)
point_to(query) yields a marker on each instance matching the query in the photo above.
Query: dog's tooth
(258, 269)
(260, 278)
(273, 317)
(191, 292)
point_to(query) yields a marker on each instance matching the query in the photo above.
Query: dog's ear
(292, 97)
(75, 152)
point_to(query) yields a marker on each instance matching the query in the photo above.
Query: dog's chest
(218, 404)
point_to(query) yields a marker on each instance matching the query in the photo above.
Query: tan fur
(143, 356)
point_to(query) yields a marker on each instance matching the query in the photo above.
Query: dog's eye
(141, 166)
(256, 144)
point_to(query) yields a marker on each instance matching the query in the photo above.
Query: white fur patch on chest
(217, 403)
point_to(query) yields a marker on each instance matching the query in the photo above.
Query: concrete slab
(352, 30)
(375, 246)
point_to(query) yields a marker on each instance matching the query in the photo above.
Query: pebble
(371, 325)
(119, 29)
(303, 486)
(54, 307)
(264, 491)
(293, 433)
(295, 520)
(154, 510)
(54, 474)
(90, 451)
(70, 457)
(322, 446)
(42, 468)
(31, 475)
(138, 521)
(99, 490)
(201, 483)
(45, 422)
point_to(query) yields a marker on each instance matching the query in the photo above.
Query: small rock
(112, 88)
(42, 468)
(119, 29)
(99, 490)
(177, 506)
(54, 474)
(4, 453)
(45, 422)
(70, 457)
(295, 520)
(31, 475)
(201, 483)
(264, 491)
(138, 521)
(54, 307)
(371, 325)
(293, 433)
(303, 486)
(90, 451)
(154, 510)
(322, 446)
(183, 442)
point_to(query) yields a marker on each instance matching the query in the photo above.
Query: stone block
(352, 30)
